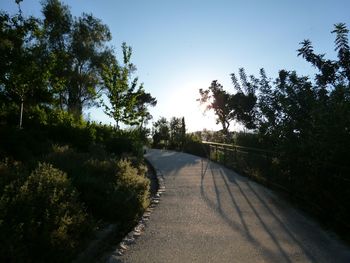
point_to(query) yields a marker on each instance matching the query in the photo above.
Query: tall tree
(240, 106)
(243, 102)
(128, 100)
(89, 54)
(57, 38)
(143, 100)
(161, 132)
(77, 47)
(217, 99)
(22, 76)
(183, 130)
(177, 132)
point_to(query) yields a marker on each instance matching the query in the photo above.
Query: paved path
(210, 214)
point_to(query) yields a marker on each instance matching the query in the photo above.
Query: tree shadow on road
(246, 208)
(229, 181)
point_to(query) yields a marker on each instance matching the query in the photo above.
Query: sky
(181, 46)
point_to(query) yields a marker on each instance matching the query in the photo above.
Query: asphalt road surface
(209, 213)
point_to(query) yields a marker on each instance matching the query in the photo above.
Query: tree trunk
(75, 108)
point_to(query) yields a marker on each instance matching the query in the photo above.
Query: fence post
(225, 155)
(236, 155)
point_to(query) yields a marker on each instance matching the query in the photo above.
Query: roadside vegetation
(296, 134)
(302, 124)
(63, 177)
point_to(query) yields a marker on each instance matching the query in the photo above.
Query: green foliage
(23, 76)
(126, 142)
(41, 218)
(60, 127)
(228, 107)
(193, 145)
(127, 102)
(218, 100)
(61, 61)
(76, 52)
(134, 188)
(121, 145)
(305, 123)
(177, 133)
(160, 132)
(11, 171)
(52, 67)
(213, 136)
(248, 140)
(112, 190)
(22, 145)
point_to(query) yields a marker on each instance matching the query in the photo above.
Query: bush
(194, 146)
(113, 190)
(134, 187)
(126, 143)
(22, 145)
(11, 171)
(63, 128)
(248, 140)
(41, 220)
(67, 159)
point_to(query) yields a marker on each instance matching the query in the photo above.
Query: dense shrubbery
(48, 126)
(55, 210)
(22, 145)
(193, 145)
(46, 211)
(304, 120)
(248, 140)
(111, 189)
(41, 217)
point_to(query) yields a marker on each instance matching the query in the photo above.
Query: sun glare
(183, 102)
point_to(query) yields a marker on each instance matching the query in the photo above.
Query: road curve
(209, 213)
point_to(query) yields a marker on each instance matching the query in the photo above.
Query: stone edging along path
(140, 227)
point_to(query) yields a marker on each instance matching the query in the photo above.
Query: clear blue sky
(182, 45)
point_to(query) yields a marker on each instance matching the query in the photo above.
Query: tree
(128, 101)
(228, 107)
(78, 51)
(220, 101)
(177, 132)
(23, 78)
(89, 55)
(295, 113)
(161, 132)
(244, 100)
(183, 129)
(143, 100)
(56, 39)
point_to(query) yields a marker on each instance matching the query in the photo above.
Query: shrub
(113, 190)
(194, 146)
(67, 160)
(128, 143)
(80, 137)
(11, 171)
(41, 219)
(22, 145)
(134, 187)
(248, 139)
(103, 133)
(120, 145)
